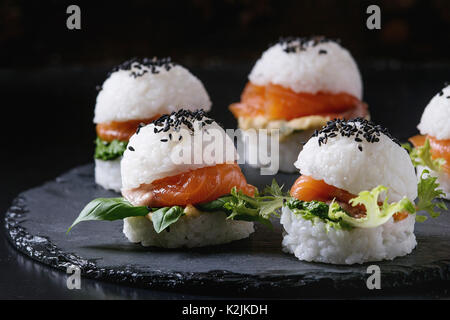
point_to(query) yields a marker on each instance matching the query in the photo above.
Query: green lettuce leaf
(376, 214)
(422, 156)
(318, 210)
(109, 150)
(109, 209)
(427, 191)
(237, 206)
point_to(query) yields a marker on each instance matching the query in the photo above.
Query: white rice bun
(435, 119)
(189, 231)
(340, 163)
(442, 178)
(308, 71)
(288, 150)
(153, 159)
(107, 174)
(124, 97)
(310, 241)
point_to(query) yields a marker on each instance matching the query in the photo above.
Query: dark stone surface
(37, 221)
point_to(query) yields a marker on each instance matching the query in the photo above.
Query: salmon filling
(439, 148)
(120, 130)
(191, 187)
(306, 188)
(275, 102)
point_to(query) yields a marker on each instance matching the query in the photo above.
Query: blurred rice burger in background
(297, 86)
(432, 147)
(134, 94)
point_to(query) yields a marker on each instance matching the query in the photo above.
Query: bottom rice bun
(310, 241)
(189, 231)
(107, 174)
(342, 160)
(432, 147)
(181, 186)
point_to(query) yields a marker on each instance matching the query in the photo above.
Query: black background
(48, 76)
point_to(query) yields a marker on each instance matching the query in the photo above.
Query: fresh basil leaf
(109, 209)
(105, 150)
(164, 217)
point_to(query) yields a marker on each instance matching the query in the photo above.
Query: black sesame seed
(139, 67)
(360, 148)
(130, 148)
(164, 140)
(298, 44)
(369, 131)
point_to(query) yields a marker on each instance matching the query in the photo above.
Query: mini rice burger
(354, 200)
(170, 198)
(296, 87)
(432, 147)
(136, 93)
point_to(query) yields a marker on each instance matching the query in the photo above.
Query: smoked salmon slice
(120, 130)
(191, 187)
(439, 148)
(276, 102)
(306, 188)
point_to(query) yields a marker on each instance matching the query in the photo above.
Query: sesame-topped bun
(175, 143)
(143, 89)
(308, 65)
(358, 155)
(435, 119)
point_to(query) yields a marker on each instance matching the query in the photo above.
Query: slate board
(38, 219)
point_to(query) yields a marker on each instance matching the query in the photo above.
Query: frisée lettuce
(376, 214)
(334, 216)
(422, 156)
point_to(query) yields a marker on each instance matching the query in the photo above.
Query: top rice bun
(356, 166)
(308, 65)
(156, 150)
(435, 119)
(143, 89)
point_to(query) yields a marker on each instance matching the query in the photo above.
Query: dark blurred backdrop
(34, 33)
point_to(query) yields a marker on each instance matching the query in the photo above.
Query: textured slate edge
(268, 285)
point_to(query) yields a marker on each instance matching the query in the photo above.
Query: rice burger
(135, 93)
(168, 203)
(432, 147)
(297, 86)
(354, 200)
